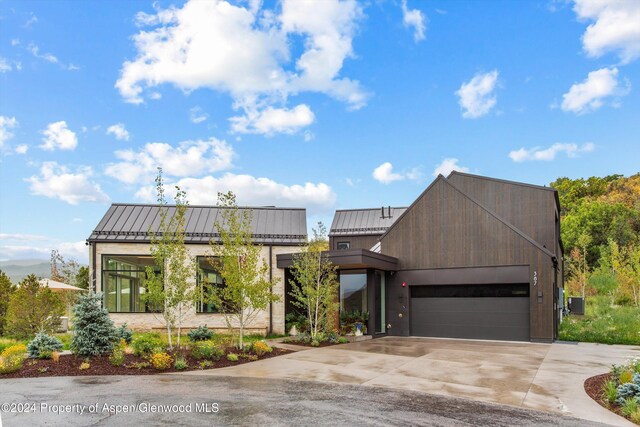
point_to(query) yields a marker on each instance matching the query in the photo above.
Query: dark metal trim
(351, 258)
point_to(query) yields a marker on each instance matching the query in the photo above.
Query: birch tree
(315, 284)
(247, 289)
(169, 284)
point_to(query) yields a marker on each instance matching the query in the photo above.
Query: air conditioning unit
(576, 305)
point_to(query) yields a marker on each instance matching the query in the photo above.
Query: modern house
(471, 257)
(119, 253)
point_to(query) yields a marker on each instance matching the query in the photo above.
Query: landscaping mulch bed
(68, 365)
(593, 387)
(302, 344)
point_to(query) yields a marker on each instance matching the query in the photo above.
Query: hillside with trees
(601, 236)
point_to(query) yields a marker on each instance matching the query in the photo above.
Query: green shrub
(201, 333)
(232, 357)
(315, 343)
(629, 406)
(342, 340)
(124, 333)
(180, 363)
(93, 330)
(117, 357)
(610, 390)
(207, 350)
(204, 364)
(145, 345)
(32, 308)
(161, 361)
(43, 346)
(12, 358)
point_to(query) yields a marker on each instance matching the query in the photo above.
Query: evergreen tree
(6, 289)
(33, 308)
(94, 333)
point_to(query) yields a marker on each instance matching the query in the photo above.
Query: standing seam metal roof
(132, 223)
(363, 221)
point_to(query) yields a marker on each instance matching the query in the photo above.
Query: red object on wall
(404, 284)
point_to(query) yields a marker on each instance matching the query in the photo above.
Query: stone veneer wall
(148, 321)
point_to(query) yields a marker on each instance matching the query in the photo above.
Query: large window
(208, 277)
(123, 278)
(353, 290)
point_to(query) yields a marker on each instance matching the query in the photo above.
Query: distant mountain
(18, 269)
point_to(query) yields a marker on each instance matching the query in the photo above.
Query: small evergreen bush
(207, 350)
(94, 333)
(147, 344)
(201, 333)
(629, 390)
(232, 357)
(124, 333)
(43, 345)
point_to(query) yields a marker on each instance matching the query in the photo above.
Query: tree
(315, 284)
(169, 285)
(82, 278)
(247, 289)
(68, 271)
(94, 333)
(33, 308)
(6, 290)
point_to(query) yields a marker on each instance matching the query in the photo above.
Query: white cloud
(273, 120)
(22, 149)
(246, 52)
(49, 57)
(31, 21)
(6, 124)
(59, 182)
(196, 115)
(189, 158)
(615, 27)
(384, 174)
(58, 136)
(119, 131)
(476, 96)
(7, 65)
(548, 154)
(416, 19)
(251, 191)
(21, 237)
(447, 166)
(590, 94)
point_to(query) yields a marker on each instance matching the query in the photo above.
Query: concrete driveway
(549, 377)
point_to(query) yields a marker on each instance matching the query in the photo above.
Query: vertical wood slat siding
(530, 209)
(444, 229)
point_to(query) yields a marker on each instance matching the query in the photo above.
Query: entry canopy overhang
(352, 258)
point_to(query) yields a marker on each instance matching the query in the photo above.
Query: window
(353, 290)
(123, 278)
(207, 278)
(343, 245)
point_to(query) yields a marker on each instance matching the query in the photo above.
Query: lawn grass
(603, 323)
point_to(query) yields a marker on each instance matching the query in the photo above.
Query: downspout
(271, 289)
(92, 285)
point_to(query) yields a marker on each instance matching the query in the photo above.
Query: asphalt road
(217, 401)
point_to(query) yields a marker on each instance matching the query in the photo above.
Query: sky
(324, 105)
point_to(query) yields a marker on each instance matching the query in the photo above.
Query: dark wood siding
(356, 242)
(445, 229)
(530, 209)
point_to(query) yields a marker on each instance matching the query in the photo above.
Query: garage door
(498, 312)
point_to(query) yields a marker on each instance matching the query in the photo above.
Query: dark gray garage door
(499, 312)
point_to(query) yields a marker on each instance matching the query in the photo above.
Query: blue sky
(323, 105)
